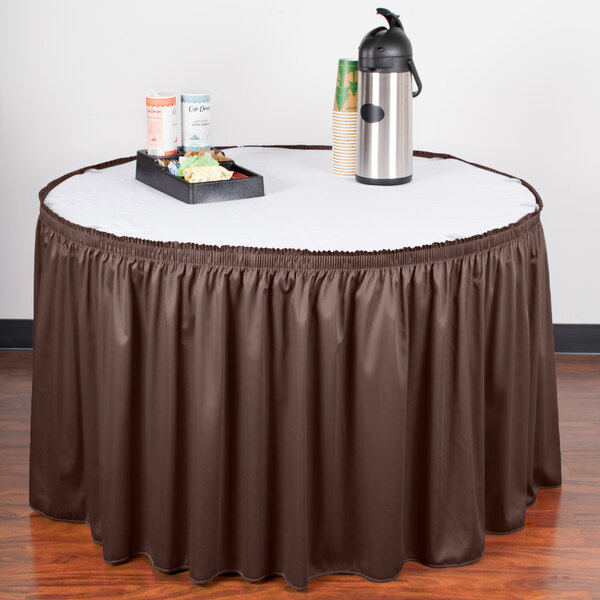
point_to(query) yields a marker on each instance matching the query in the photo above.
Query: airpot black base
(371, 181)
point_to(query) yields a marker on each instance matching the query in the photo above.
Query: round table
(384, 392)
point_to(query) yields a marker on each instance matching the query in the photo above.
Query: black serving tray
(148, 171)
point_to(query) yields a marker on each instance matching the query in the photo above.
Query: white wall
(514, 85)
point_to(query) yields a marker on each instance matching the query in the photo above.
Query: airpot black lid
(385, 50)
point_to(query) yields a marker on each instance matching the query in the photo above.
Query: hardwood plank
(556, 556)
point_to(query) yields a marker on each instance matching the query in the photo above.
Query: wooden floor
(557, 555)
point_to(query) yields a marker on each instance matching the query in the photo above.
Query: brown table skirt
(259, 411)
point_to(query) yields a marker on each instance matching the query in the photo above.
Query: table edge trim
(291, 258)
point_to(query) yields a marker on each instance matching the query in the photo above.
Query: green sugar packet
(187, 162)
(206, 160)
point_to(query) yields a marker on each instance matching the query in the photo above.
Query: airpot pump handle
(413, 70)
(392, 19)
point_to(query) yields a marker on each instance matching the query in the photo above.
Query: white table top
(305, 206)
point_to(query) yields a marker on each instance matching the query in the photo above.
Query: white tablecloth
(305, 206)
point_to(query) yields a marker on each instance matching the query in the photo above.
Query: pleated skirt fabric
(287, 412)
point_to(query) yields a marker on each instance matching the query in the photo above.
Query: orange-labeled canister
(161, 124)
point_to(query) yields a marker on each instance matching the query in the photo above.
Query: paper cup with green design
(344, 116)
(346, 86)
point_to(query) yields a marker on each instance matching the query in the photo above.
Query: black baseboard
(16, 333)
(576, 339)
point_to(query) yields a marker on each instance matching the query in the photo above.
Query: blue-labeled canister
(195, 120)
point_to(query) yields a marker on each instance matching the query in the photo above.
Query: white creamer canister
(195, 120)
(161, 124)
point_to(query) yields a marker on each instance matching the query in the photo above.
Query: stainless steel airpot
(385, 72)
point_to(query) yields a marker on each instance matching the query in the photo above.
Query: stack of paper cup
(344, 118)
